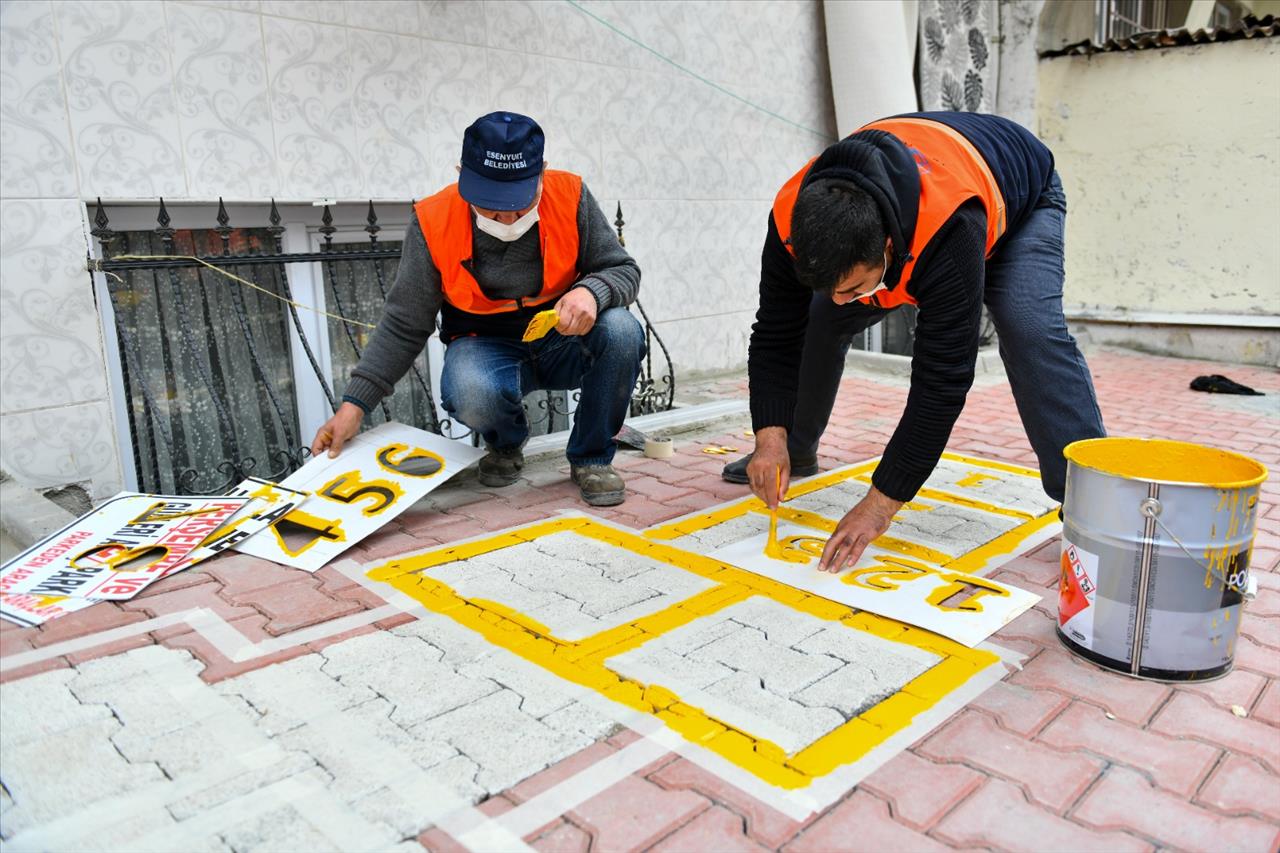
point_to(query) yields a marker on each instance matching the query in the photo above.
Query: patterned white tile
(698, 258)
(452, 20)
(118, 76)
(707, 343)
(221, 80)
(640, 128)
(516, 84)
(456, 80)
(391, 117)
(318, 11)
(560, 30)
(571, 118)
(50, 350)
(35, 141)
(635, 34)
(47, 448)
(388, 16)
(309, 68)
(253, 6)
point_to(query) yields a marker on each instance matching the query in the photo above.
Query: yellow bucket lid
(1177, 463)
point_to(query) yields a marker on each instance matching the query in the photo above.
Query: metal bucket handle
(1151, 508)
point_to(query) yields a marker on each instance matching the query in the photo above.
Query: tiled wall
(353, 100)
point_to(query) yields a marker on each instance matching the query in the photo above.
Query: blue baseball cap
(501, 161)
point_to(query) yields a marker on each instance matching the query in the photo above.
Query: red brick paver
(860, 822)
(1062, 755)
(1125, 800)
(1001, 816)
(1051, 776)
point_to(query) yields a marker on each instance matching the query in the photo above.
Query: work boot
(600, 485)
(736, 472)
(501, 467)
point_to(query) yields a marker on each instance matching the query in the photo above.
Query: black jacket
(947, 285)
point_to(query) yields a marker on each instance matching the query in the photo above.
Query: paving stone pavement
(352, 726)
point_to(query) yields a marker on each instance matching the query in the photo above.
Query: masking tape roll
(659, 448)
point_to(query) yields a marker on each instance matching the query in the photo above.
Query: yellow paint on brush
(771, 547)
(583, 662)
(1170, 462)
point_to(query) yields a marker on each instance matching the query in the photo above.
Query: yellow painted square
(582, 661)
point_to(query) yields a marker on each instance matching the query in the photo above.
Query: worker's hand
(770, 457)
(338, 430)
(859, 527)
(577, 310)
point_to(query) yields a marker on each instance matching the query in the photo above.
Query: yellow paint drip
(798, 549)
(975, 479)
(583, 662)
(1020, 470)
(1170, 462)
(891, 572)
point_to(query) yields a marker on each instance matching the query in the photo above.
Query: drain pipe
(871, 54)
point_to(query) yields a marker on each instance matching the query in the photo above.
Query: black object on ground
(1219, 384)
(631, 438)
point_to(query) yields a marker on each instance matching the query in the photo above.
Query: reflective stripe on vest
(951, 172)
(445, 220)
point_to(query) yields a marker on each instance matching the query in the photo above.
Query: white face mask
(507, 233)
(881, 286)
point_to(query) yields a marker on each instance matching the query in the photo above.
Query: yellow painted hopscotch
(583, 662)
(970, 562)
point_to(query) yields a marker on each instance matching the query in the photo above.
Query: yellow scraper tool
(542, 322)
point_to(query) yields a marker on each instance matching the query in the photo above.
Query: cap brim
(496, 195)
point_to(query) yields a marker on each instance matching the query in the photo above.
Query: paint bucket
(1155, 555)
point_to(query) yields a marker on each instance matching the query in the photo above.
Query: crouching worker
(510, 239)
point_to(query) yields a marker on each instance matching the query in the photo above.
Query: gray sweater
(503, 270)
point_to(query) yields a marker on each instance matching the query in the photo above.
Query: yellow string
(234, 277)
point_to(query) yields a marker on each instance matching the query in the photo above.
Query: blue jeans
(1023, 291)
(485, 379)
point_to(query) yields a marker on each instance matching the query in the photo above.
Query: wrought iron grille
(206, 361)
(1120, 19)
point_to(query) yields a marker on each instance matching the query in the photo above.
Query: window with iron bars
(1121, 19)
(220, 379)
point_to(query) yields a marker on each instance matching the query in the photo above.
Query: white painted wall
(1017, 80)
(304, 100)
(1171, 164)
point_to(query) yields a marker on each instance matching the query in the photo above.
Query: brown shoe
(501, 467)
(600, 484)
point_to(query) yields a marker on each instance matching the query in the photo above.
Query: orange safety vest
(445, 219)
(951, 172)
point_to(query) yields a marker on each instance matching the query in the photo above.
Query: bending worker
(945, 211)
(505, 242)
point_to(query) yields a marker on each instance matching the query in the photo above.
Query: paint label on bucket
(1077, 591)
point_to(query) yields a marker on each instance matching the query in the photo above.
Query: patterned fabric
(957, 58)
